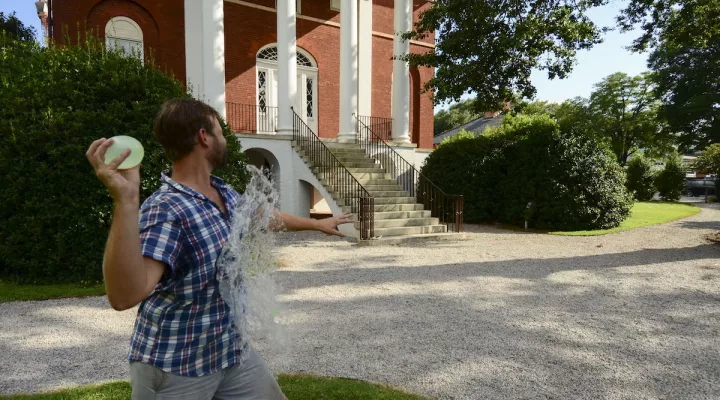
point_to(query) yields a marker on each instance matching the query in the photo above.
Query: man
(163, 257)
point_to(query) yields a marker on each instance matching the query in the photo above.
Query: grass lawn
(12, 292)
(644, 214)
(295, 387)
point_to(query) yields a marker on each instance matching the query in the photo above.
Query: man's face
(218, 158)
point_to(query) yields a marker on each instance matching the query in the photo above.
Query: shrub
(641, 178)
(709, 163)
(671, 180)
(56, 101)
(572, 181)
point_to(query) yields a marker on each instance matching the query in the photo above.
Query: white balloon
(122, 143)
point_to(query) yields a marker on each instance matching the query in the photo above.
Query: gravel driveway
(502, 315)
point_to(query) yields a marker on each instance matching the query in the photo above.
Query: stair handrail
(447, 208)
(339, 179)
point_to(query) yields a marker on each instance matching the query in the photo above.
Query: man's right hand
(123, 185)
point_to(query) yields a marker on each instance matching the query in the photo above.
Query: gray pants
(251, 381)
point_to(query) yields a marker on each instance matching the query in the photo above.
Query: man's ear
(202, 137)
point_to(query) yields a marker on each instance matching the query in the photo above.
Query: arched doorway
(312, 203)
(306, 102)
(265, 161)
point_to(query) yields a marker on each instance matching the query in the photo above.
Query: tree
(684, 36)
(623, 112)
(56, 100)
(670, 181)
(11, 28)
(641, 178)
(490, 47)
(708, 162)
(458, 114)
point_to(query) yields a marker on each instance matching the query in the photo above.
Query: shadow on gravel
(714, 225)
(347, 271)
(532, 337)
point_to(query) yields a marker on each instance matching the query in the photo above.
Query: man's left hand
(329, 225)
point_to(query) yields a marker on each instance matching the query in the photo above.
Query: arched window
(125, 34)
(307, 83)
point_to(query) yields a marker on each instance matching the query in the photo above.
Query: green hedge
(571, 181)
(56, 100)
(641, 178)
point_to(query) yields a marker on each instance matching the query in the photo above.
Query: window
(124, 34)
(309, 97)
(335, 5)
(270, 54)
(262, 90)
(297, 6)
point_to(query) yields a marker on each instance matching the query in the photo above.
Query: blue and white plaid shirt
(184, 326)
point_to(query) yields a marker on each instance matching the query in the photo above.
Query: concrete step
(394, 200)
(347, 165)
(352, 157)
(361, 176)
(399, 223)
(410, 230)
(377, 181)
(382, 188)
(379, 208)
(402, 214)
(342, 146)
(394, 193)
(377, 169)
(412, 239)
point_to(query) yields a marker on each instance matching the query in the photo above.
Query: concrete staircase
(398, 217)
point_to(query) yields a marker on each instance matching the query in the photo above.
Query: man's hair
(178, 123)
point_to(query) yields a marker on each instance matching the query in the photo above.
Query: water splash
(246, 269)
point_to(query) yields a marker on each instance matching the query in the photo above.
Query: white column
(348, 69)
(401, 74)
(205, 51)
(365, 57)
(287, 64)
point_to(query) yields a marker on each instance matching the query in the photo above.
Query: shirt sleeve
(160, 235)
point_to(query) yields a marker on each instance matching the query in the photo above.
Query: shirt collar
(217, 183)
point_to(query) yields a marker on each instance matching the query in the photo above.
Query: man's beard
(219, 157)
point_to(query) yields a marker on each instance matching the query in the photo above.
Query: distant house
(488, 120)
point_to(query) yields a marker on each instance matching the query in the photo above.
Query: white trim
(111, 25)
(328, 23)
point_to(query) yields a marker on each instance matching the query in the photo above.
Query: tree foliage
(11, 28)
(708, 162)
(458, 114)
(530, 169)
(55, 213)
(641, 178)
(670, 181)
(490, 47)
(684, 36)
(623, 112)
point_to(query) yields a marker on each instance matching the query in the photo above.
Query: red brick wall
(246, 31)
(162, 23)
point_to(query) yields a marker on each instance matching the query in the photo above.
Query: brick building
(269, 66)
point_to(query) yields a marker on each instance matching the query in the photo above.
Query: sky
(26, 12)
(592, 65)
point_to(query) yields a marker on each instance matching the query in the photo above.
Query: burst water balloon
(246, 267)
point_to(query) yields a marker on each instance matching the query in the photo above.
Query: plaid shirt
(184, 326)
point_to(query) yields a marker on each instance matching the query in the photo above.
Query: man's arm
(129, 277)
(292, 223)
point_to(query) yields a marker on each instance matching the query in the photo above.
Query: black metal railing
(380, 126)
(341, 184)
(447, 208)
(249, 118)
